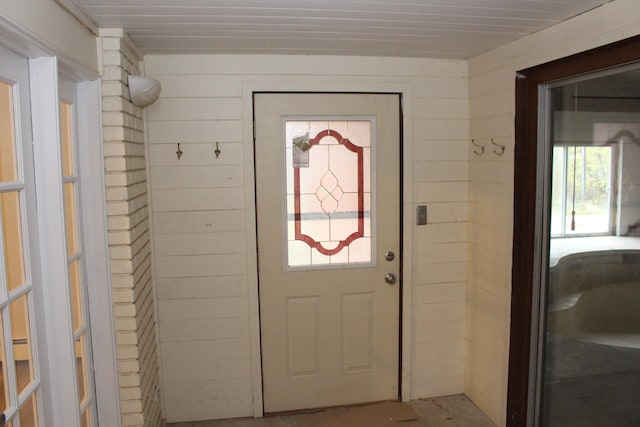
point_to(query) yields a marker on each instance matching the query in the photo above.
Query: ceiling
(457, 29)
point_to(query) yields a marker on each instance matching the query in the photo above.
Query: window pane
(66, 140)
(587, 187)
(12, 231)
(70, 217)
(557, 191)
(21, 341)
(86, 418)
(74, 292)
(4, 384)
(81, 368)
(328, 191)
(7, 135)
(28, 412)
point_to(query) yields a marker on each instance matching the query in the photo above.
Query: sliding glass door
(588, 348)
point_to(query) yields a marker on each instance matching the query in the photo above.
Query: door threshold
(325, 408)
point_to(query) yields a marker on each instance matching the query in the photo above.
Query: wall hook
(217, 150)
(481, 152)
(502, 148)
(179, 152)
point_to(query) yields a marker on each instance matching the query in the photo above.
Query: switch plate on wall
(421, 215)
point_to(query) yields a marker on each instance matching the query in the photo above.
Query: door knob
(390, 278)
(389, 256)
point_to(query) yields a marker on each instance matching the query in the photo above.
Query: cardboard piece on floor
(384, 414)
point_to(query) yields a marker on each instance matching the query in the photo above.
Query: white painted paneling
(429, 150)
(169, 177)
(198, 222)
(183, 351)
(199, 208)
(201, 287)
(426, 28)
(492, 106)
(199, 244)
(200, 265)
(203, 308)
(195, 131)
(209, 329)
(194, 154)
(439, 293)
(197, 199)
(187, 109)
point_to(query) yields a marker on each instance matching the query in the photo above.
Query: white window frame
(564, 209)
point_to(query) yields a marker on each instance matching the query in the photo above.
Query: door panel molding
(526, 216)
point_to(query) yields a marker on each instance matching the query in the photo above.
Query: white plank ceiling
(458, 29)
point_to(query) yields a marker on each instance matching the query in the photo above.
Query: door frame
(527, 209)
(337, 86)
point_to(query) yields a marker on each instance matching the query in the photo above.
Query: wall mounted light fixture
(143, 90)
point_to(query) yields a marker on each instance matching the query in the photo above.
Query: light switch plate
(421, 215)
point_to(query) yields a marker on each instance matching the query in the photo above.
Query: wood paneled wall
(199, 227)
(491, 179)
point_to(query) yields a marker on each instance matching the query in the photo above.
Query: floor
(589, 384)
(448, 411)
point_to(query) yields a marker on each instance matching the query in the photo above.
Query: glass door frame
(543, 221)
(531, 211)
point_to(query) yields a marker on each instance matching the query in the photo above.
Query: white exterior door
(328, 216)
(20, 377)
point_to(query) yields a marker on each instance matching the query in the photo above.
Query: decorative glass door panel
(20, 380)
(328, 174)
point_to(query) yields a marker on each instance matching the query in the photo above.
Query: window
(328, 177)
(581, 194)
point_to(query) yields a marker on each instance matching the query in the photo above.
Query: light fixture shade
(143, 90)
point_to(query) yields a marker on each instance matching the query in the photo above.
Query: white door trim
(46, 141)
(103, 336)
(336, 85)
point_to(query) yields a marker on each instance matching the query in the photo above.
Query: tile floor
(448, 411)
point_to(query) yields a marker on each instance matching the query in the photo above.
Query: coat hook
(217, 150)
(479, 153)
(502, 148)
(179, 152)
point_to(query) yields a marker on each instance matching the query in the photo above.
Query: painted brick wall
(492, 110)
(199, 228)
(128, 233)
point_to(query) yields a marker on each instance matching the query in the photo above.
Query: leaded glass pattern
(328, 177)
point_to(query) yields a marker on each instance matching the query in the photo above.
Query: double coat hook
(216, 152)
(500, 151)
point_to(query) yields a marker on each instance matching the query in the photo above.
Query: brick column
(128, 232)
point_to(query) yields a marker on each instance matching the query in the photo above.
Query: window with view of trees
(581, 193)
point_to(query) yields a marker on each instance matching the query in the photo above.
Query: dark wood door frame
(526, 151)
